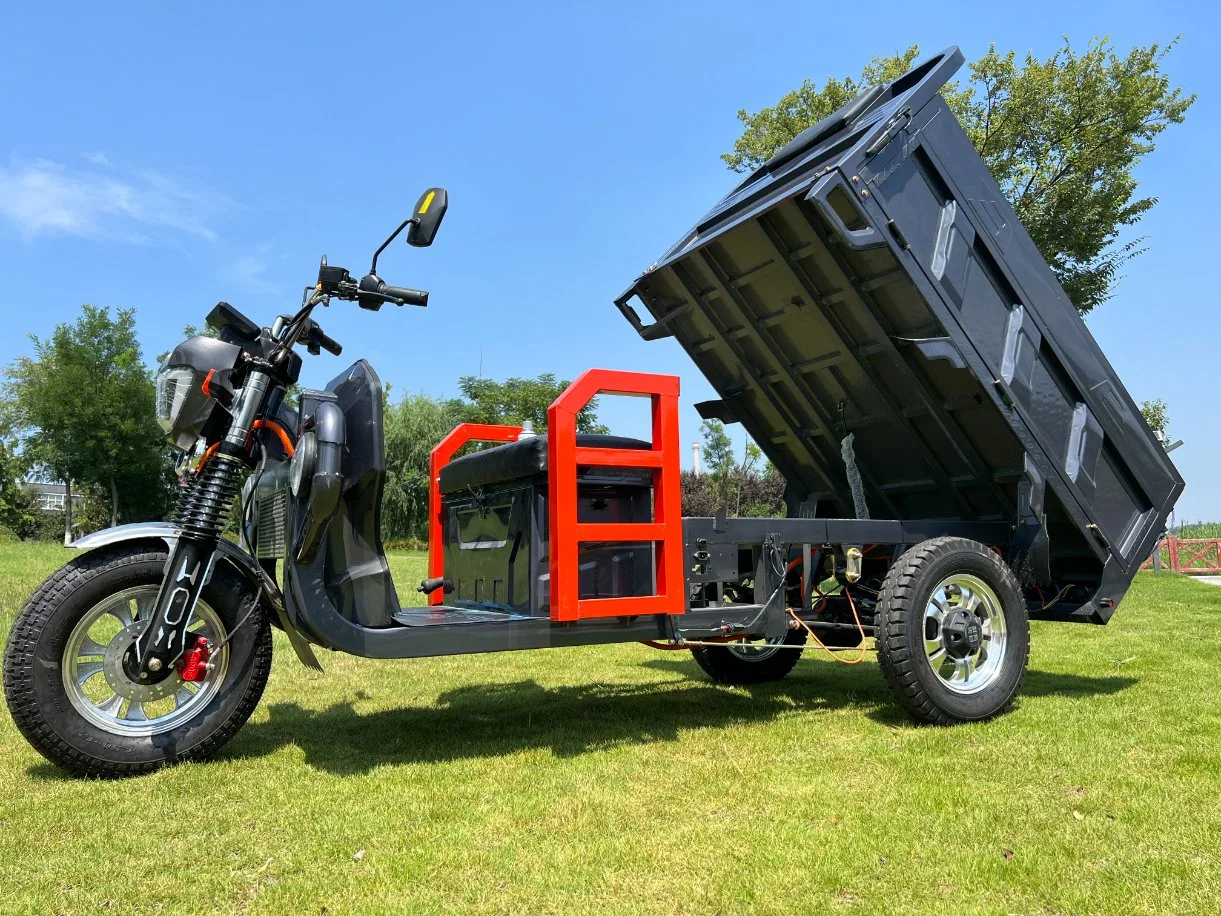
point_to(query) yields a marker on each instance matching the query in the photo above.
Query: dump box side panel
(875, 282)
(1043, 361)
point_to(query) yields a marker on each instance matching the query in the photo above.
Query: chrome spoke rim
(965, 671)
(99, 689)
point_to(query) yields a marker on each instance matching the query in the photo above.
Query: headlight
(183, 409)
(173, 385)
(301, 470)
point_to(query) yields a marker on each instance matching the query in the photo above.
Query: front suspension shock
(206, 499)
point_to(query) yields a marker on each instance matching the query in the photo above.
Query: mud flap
(1029, 553)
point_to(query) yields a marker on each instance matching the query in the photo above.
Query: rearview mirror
(426, 220)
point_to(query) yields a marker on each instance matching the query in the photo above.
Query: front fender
(241, 562)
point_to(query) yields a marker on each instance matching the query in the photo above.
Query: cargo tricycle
(959, 458)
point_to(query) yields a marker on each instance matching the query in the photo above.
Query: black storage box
(495, 503)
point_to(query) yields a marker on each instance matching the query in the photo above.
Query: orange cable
(864, 650)
(281, 434)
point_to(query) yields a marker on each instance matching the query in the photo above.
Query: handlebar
(372, 291)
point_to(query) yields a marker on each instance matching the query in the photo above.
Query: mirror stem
(393, 235)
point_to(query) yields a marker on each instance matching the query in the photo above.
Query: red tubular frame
(566, 533)
(438, 458)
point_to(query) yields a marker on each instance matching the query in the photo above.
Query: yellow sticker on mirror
(427, 200)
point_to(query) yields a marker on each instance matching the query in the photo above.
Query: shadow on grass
(499, 719)
(1058, 684)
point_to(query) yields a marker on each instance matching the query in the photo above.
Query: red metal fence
(1191, 556)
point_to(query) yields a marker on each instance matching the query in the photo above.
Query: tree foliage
(18, 512)
(1157, 414)
(83, 405)
(1061, 135)
(516, 400)
(413, 427)
(740, 488)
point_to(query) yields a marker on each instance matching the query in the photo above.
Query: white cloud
(98, 158)
(249, 271)
(145, 207)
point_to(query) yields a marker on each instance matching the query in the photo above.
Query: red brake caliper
(193, 666)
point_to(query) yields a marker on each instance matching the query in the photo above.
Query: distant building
(52, 496)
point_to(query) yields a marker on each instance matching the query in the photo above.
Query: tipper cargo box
(872, 281)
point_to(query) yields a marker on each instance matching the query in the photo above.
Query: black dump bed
(871, 279)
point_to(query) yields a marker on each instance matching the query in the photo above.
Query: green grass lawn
(619, 778)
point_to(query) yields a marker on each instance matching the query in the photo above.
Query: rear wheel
(754, 662)
(70, 696)
(953, 639)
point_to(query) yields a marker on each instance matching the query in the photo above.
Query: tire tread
(19, 663)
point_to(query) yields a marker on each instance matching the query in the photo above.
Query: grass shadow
(500, 719)
(1059, 684)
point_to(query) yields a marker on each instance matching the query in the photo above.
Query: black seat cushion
(515, 460)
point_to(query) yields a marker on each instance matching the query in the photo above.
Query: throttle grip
(405, 295)
(373, 291)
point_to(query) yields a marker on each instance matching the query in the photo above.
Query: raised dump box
(871, 280)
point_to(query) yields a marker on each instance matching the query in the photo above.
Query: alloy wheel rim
(756, 650)
(100, 690)
(965, 665)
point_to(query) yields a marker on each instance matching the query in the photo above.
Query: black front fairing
(348, 578)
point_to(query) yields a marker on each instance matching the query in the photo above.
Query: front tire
(66, 689)
(953, 638)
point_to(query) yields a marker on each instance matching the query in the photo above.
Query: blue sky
(165, 156)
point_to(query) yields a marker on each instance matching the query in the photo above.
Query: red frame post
(566, 533)
(440, 456)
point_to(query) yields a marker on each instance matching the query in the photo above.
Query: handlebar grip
(405, 296)
(330, 344)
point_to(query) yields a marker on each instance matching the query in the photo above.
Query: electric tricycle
(865, 304)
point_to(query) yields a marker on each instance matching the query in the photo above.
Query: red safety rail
(665, 531)
(1190, 556)
(438, 458)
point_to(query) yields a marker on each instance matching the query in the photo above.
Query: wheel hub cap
(97, 683)
(965, 633)
(116, 676)
(961, 633)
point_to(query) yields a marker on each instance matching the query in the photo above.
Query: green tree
(727, 484)
(717, 454)
(413, 427)
(18, 513)
(516, 400)
(1157, 414)
(84, 407)
(1062, 136)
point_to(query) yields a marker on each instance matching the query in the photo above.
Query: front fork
(150, 658)
(202, 509)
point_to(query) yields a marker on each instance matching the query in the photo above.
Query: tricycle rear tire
(962, 577)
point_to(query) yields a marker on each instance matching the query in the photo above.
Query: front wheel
(70, 696)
